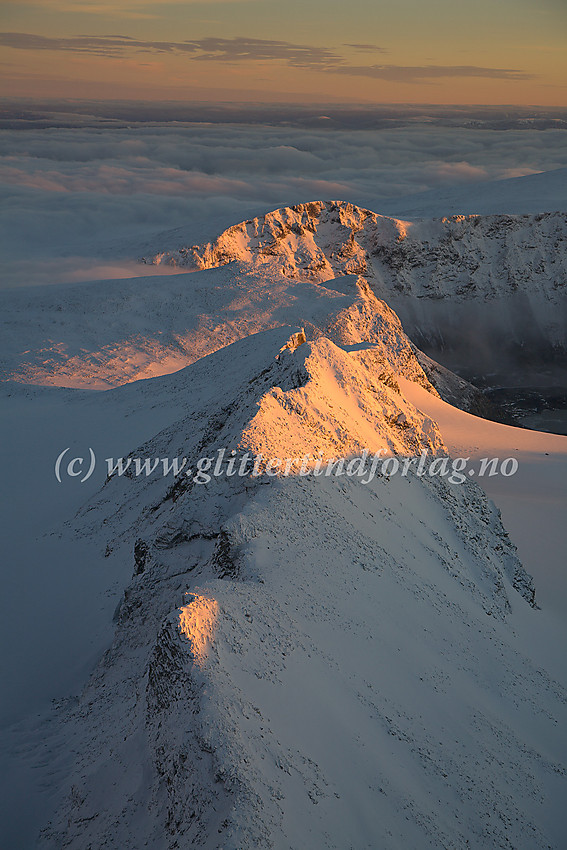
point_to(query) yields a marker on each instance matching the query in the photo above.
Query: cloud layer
(238, 50)
(80, 192)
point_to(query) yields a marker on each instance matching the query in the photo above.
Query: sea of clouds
(86, 194)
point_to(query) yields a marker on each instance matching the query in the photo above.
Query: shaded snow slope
(306, 661)
(532, 501)
(532, 193)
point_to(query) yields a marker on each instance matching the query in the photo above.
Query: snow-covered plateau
(288, 661)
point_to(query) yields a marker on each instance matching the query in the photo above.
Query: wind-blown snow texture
(306, 661)
(106, 333)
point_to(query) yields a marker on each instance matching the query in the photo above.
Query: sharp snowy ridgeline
(486, 289)
(495, 281)
(306, 661)
(300, 660)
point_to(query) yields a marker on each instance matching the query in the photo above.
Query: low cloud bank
(77, 192)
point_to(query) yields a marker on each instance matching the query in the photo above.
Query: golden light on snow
(197, 621)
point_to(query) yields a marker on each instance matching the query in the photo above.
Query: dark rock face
(141, 552)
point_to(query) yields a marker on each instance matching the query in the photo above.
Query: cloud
(415, 73)
(79, 192)
(116, 180)
(373, 48)
(240, 49)
(205, 49)
(258, 49)
(125, 9)
(75, 269)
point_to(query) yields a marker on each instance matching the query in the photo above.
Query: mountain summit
(305, 655)
(477, 287)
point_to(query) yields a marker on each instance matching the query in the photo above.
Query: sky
(312, 51)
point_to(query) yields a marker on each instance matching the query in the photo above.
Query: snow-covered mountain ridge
(279, 400)
(468, 256)
(132, 330)
(496, 279)
(306, 659)
(483, 294)
(109, 333)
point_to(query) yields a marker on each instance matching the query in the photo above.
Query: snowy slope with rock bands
(99, 336)
(109, 333)
(492, 281)
(306, 661)
(481, 293)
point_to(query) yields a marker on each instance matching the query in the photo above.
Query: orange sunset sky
(409, 51)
